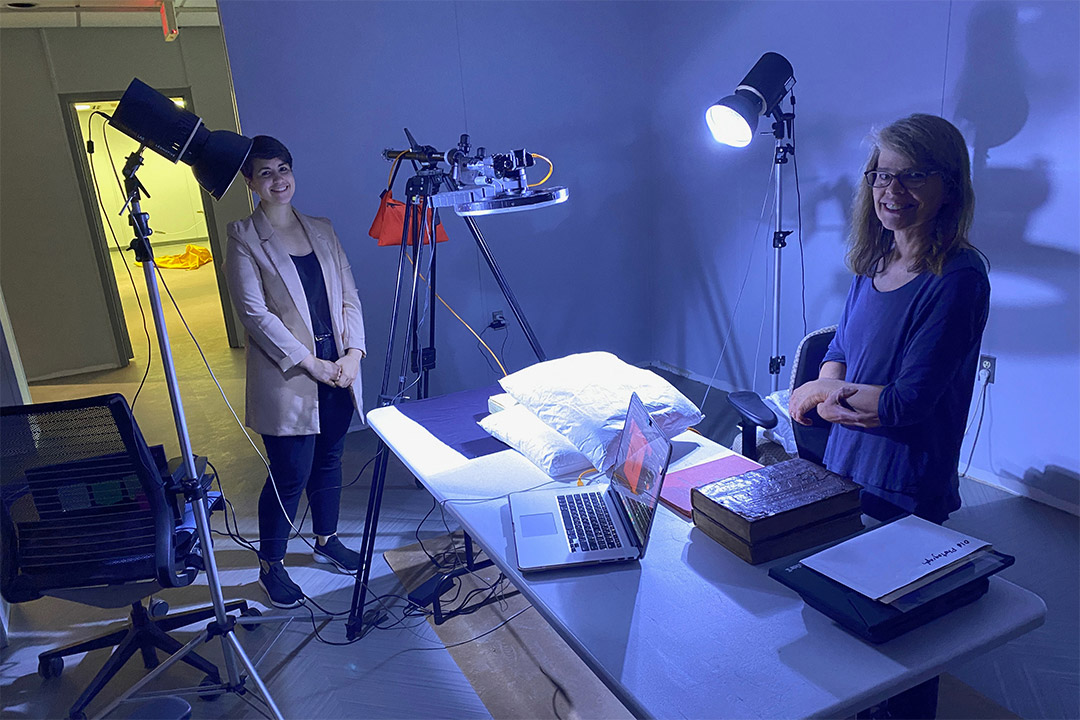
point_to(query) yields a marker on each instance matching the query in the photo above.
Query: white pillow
(545, 448)
(584, 397)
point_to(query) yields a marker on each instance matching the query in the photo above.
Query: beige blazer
(266, 290)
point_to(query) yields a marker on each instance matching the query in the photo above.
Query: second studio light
(155, 121)
(734, 119)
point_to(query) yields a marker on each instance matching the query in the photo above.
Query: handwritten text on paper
(936, 556)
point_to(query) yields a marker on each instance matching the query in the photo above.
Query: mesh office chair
(89, 515)
(810, 440)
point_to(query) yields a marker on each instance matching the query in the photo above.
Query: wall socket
(988, 363)
(498, 320)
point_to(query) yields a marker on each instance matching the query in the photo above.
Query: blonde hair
(929, 142)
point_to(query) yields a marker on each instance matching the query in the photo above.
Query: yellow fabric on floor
(193, 257)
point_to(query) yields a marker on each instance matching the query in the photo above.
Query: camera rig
(479, 184)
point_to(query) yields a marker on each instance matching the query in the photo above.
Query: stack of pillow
(569, 412)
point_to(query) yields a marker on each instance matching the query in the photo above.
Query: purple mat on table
(453, 419)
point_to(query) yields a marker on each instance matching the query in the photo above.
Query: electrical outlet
(988, 363)
(498, 321)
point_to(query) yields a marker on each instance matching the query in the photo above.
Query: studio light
(178, 135)
(734, 119)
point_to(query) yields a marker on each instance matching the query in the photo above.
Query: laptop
(609, 522)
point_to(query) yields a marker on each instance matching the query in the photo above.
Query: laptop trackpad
(538, 524)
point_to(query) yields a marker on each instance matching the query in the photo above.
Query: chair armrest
(753, 409)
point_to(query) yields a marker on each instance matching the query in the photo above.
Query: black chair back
(83, 502)
(811, 439)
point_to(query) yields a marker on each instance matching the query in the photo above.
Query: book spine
(711, 528)
(828, 530)
(802, 516)
(734, 522)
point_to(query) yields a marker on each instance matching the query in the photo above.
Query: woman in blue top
(898, 377)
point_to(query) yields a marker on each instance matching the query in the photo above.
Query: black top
(311, 277)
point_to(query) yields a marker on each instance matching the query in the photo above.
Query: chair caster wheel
(50, 667)
(206, 682)
(157, 609)
(250, 612)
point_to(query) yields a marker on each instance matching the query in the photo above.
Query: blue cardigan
(921, 342)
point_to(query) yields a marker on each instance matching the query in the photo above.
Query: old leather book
(803, 538)
(775, 499)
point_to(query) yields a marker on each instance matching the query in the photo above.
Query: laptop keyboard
(587, 522)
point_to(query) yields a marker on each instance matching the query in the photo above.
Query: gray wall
(649, 256)
(51, 281)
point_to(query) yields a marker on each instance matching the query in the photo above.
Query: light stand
(422, 193)
(782, 129)
(224, 625)
(733, 120)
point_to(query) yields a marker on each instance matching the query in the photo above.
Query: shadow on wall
(1036, 286)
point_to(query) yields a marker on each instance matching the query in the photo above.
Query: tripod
(223, 625)
(422, 193)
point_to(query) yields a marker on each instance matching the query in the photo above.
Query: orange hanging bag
(389, 222)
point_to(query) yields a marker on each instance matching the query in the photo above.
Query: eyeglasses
(909, 179)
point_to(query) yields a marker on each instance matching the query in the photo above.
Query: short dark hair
(264, 147)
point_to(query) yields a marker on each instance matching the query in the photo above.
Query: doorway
(179, 214)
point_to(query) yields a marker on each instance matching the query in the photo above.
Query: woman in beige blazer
(293, 288)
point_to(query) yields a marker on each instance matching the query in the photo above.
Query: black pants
(311, 462)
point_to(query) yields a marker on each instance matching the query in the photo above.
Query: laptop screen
(639, 468)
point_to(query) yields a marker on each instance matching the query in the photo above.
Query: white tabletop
(692, 630)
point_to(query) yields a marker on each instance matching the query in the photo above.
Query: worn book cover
(804, 538)
(775, 499)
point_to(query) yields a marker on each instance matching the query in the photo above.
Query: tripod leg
(506, 291)
(355, 625)
(171, 645)
(253, 675)
(411, 349)
(427, 363)
(389, 361)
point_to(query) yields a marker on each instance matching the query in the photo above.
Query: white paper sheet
(893, 555)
